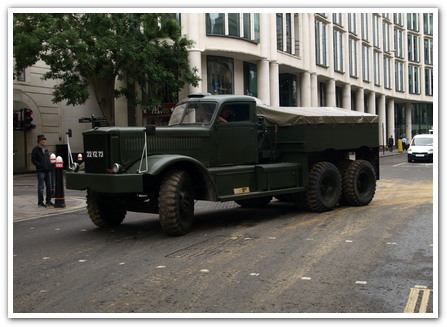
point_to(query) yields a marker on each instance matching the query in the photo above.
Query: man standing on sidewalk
(41, 159)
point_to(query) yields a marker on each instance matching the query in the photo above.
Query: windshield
(193, 113)
(422, 141)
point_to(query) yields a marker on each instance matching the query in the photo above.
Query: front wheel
(176, 203)
(324, 187)
(105, 210)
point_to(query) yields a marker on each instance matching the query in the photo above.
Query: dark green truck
(229, 148)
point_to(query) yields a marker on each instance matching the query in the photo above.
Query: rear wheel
(105, 210)
(359, 183)
(176, 203)
(324, 187)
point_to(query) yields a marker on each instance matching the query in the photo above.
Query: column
(274, 84)
(330, 93)
(195, 60)
(346, 100)
(264, 81)
(194, 54)
(372, 103)
(360, 100)
(306, 93)
(382, 119)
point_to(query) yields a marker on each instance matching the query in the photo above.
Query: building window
(377, 70)
(414, 73)
(352, 23)
(321, 43)
(413, 22)
(399, 69)
(386, 16)
(287, 33)
(365, 63)
(353, 71)
(398, 19)
(233, 25)
(413, 48)
(279, 32)
(220, 72)
(387, 72)
(365, 27)
(375, 31)
(337, 19)
(428, 24)
(287, 90)
(338, 51)
(247, 27)
(322, 93)
(386, 37)
(215, 24)
(230, 25)
(250, 79)
(428, 81)
(398, 43)
(428, 51)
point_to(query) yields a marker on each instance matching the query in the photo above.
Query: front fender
(159, 163)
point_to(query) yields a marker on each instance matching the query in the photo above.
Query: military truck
(229, 148)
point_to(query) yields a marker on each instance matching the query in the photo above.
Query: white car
(421, 148)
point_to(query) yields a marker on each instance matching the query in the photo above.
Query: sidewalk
(25, 205)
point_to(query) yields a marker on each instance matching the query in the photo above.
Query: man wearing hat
(41, 159)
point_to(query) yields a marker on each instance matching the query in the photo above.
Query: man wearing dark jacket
(41, 159)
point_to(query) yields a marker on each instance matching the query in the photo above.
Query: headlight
(116, 168)
(75, 167)
(410, 150)
(430, 150)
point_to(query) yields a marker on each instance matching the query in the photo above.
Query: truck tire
(255, 202)
(324, 187)
(359, 183)
(176, 203)
(104, 210)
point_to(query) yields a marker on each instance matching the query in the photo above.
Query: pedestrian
(404, 143)
(391, 143)
(41, 159)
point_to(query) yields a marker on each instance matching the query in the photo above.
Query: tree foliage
(146, 50)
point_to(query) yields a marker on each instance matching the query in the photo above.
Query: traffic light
(27, 119)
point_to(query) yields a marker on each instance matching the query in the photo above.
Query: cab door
(235, 138)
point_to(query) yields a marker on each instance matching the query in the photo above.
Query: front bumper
(420, 156)
(105, 183)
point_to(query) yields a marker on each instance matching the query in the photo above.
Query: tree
(145, 50)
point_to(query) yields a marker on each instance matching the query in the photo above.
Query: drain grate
(212, 247)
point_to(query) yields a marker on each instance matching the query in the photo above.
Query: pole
(53, 174)
(383, 138)
(59, 200)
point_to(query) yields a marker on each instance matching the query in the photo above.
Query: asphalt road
(371, 260)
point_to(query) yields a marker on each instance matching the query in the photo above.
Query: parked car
(421, 148)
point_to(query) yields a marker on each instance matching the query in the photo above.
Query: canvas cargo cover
(290, 116)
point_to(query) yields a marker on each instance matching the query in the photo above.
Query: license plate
(420, 155)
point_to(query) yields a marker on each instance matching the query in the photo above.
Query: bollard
(53, 174)
(59, 200)
(80, 157)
